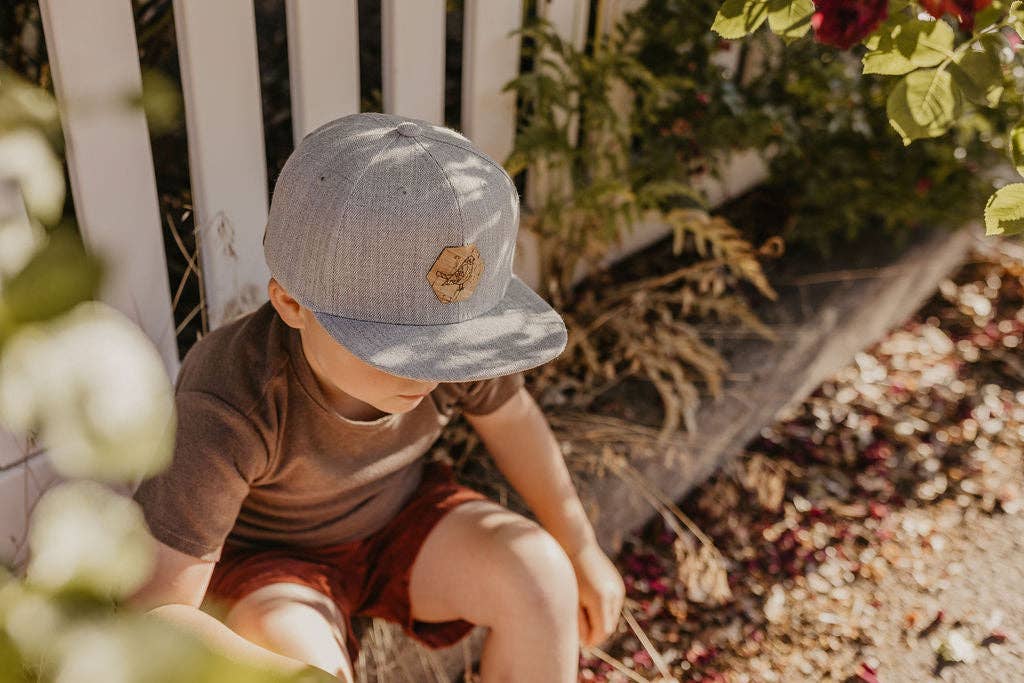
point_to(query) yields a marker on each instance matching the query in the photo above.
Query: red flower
(963, 10)
(641, 658)
(844, 23)
(866, 673)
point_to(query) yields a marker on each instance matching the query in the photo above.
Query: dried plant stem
(602, 427)
(690, 272)
(614, 663)
(659, 499)
(191, 314)
(203, 314)
(430, 662)
(190, 264)
(656, 657)
(467, 662)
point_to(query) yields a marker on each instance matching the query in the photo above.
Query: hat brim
(520, 332)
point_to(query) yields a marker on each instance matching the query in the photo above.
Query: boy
(299, 496)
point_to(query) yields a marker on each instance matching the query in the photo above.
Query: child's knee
(293, 620)
(539, 577)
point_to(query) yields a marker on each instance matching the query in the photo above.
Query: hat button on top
(408, 128)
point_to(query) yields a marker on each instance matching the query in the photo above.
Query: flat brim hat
(399, 235)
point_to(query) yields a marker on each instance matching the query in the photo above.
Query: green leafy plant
(594, 195)
(595, 189)
(837, 170)
(945, 73)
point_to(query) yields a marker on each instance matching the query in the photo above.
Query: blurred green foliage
(948, 86)
(836, 166)
(59, 276)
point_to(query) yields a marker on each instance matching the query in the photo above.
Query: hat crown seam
(332, 237)
(462, 216)
(444, 174)
(476, 152)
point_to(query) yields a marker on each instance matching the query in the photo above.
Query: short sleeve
(487, 395)
(218, 452)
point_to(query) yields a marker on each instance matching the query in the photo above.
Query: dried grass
(641, 329)
(193, 267)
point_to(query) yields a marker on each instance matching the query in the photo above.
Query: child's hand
(602, 592)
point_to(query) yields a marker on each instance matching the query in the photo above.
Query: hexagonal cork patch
(455, 273)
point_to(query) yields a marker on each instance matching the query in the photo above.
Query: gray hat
(399, 235)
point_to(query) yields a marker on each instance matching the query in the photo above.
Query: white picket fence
(94, 56)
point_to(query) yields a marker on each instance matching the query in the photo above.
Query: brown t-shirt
(260, 458)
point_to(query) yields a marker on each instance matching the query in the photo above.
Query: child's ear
(286, 306)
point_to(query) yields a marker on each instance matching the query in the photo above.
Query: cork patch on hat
(455, 273)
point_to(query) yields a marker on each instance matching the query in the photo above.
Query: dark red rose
(963, 10)
(866, 673)
(844, 23)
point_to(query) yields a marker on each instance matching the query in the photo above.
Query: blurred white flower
(30, 618)
(20, 237)
(92, 653)
(135, 648)
(957, 647)
(128, 649)
(68, 645)
(94, 387)
(83, 535)
(26, 155)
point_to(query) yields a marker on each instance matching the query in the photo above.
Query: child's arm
(174, 591)
(218, 636)
(520, 441)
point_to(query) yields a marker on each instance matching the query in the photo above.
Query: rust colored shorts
(369, 576)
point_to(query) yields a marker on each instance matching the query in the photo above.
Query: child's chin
(400, 404)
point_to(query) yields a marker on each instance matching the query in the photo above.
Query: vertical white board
(323, 62)
(569, 18)
(227, 159)
(412, 58)
(94, 60)
(490, 59)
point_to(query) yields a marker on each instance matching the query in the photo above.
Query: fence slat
(227, 160)
(94, 60)
(569, 18)
(323, 61)
(490, 59)
(412, 58)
